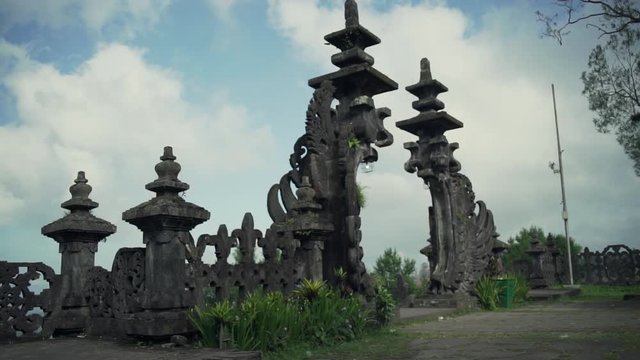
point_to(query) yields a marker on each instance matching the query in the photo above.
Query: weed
(361, 198)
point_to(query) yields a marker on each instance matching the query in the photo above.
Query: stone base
(70, 320)
(144, 324)
(538, 283)
(457, 301)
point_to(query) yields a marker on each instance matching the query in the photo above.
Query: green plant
(487, 291)
(333, 319)
(310, 290)
(353, 142)
(205, 325)
(384, 305)
(361, 198)
(521, 288)
(314, 314)
(213, 322)
(390, 264)
(265, 322)
(343, 287)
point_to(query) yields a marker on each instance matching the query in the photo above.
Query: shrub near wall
(268, 322)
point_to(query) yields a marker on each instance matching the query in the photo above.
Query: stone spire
(167, 203)
(167, 170)
(356, 66)
(79, 225)
(431, 121)
(351, 14)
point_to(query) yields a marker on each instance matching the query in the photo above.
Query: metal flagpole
(565, 214)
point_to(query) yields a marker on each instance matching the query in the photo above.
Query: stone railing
(28, 299)
(149, 290)
(614, 265)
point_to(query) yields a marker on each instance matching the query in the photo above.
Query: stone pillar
(165, 222)
(536, 277)
(78, 234)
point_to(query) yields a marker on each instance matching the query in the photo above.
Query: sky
(102, 86)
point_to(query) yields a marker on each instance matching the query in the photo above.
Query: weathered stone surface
(78, 234)
(19, 305)
(614, 265)
(461, 239)
(79, 225)
(536, 278)
(336, 142)
(150, 285)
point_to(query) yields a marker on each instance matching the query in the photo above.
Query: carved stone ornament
(462, 230)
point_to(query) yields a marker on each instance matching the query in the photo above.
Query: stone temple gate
(314, 208)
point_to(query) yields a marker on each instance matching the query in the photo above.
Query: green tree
(612, 80)
(390, 264)
(560, 242)
(519, 245)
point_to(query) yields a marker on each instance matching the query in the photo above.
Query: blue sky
(102, 86)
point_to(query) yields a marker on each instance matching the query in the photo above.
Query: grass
(605, 292)
(378, 344)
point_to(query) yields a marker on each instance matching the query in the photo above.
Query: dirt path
(560, 330)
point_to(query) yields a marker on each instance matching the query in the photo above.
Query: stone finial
(431, 121)
(425, 70)
(80, 195)
(427, 90)
(167, 170)
(167, 209)
(79, 224)
(306, 210)
(306, 198)
(351, 13)
(305, 193)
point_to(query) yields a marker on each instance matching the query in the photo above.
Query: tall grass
(521, 288)
(268, 322)
(488, 291)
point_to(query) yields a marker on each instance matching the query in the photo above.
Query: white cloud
(222, 9)
(111, 118)
(499, 80)
(94, 14)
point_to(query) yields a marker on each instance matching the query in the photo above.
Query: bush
(488, 292)
(521, 288)
(268, 322)
(384, 305)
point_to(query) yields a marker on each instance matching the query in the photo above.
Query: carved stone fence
(25, 311)
(614, 265)
(148, 290)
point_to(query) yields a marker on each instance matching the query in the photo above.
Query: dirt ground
(549, 330)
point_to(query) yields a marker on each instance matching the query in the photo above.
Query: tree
(519, 245)
(422, 278)
(560, 243)
(389, 265)
(612, 81)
